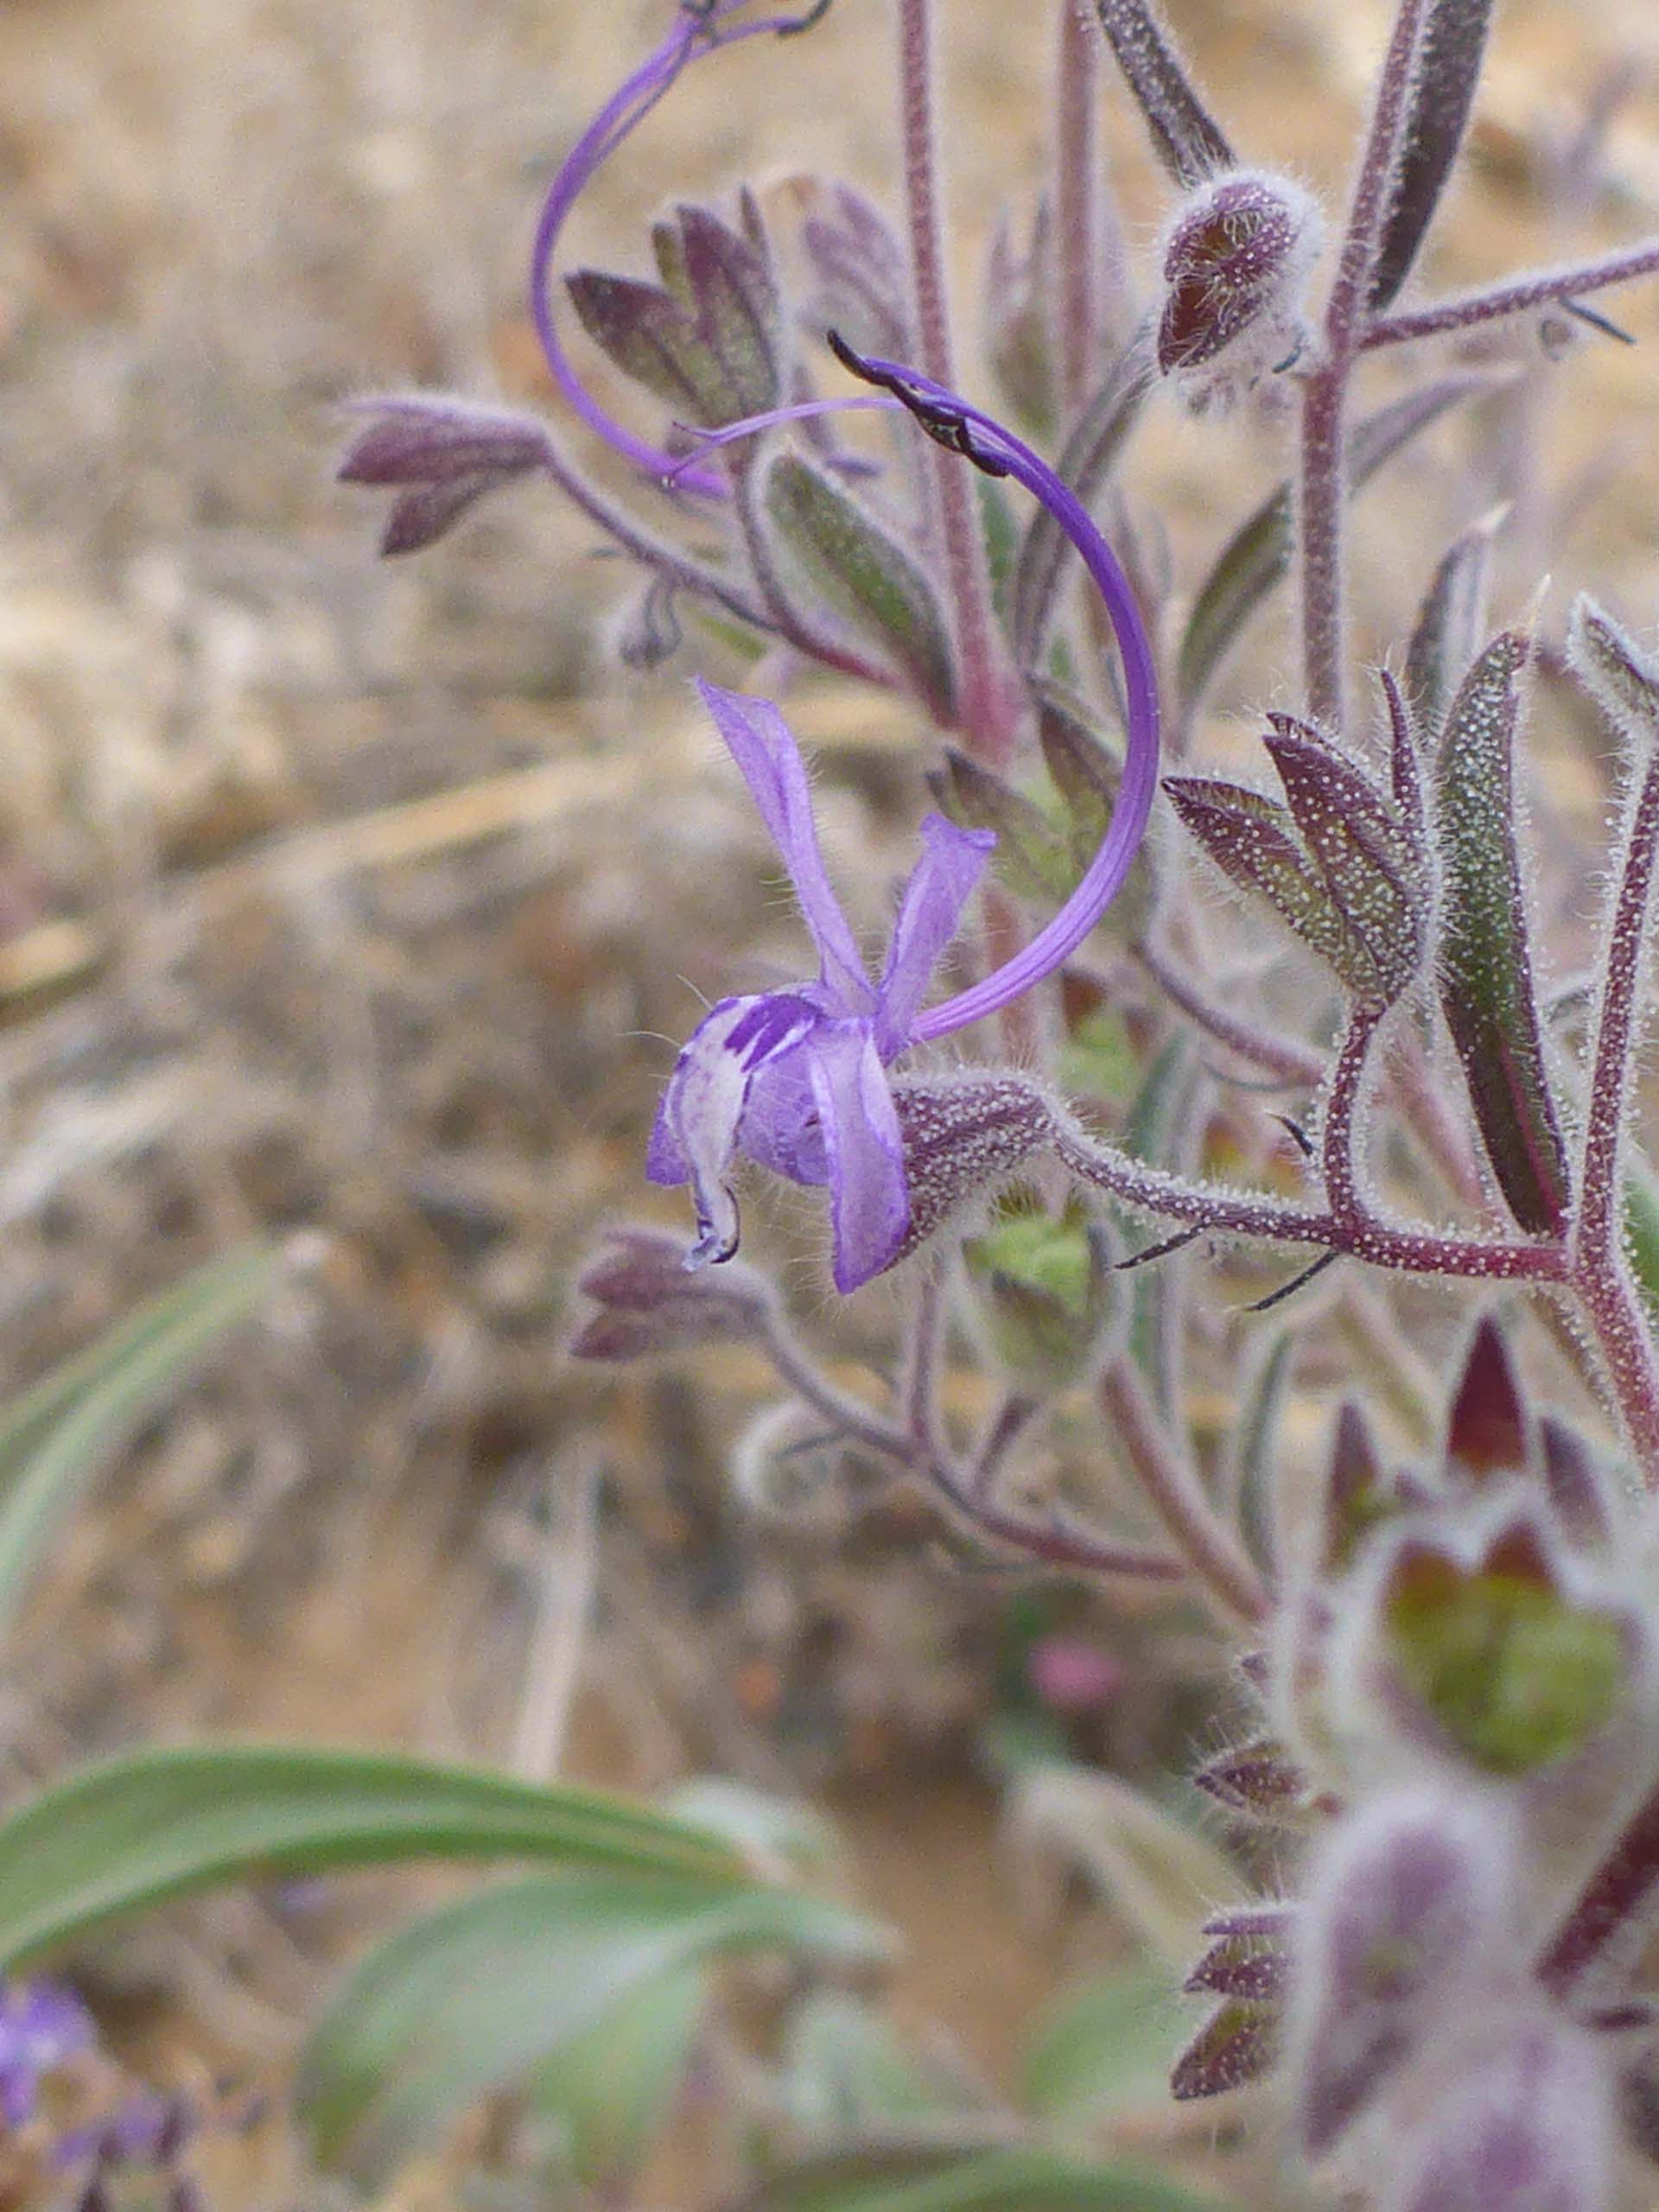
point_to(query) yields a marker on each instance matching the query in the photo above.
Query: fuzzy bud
(1528, 2127)
(1397, 1914)
(1234, 263)
(439, 455)
(709, 340)
(647, 1302)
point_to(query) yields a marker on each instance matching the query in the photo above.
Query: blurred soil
(357, 901)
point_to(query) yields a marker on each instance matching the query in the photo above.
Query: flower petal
(695, 1133)
(869, 1207)
(760, 740)
(940, 886)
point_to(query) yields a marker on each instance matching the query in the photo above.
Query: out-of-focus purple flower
(1072, 1676)
(42, 2024)
(795, 1079)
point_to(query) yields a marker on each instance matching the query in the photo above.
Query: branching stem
(1538, 287)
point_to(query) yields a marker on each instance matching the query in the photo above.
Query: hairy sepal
(1451, 48)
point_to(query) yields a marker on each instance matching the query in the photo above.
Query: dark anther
(943, 422)
(797, 24)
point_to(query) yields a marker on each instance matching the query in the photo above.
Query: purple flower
(41, 2026)
(795, 1079)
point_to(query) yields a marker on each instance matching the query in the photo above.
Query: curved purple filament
(694, 34)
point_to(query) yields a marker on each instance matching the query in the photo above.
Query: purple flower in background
(796, 1078)
(42, 2024)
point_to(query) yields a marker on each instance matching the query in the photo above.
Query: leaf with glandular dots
(862, 573)
(1370, 867)
(1450, 624)
(1234, 2045)
(1485, 960)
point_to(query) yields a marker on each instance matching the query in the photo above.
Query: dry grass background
(351, 901)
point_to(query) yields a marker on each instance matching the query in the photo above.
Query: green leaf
(1450, 624)
(1641, 1236)
(1103, 2045)
(1485, 960)
(55, 1438)
(1153, 1131)
(863, 573)
(1009, 2180)
(132, 1832)
(1251, 1463)
(1258, 555)
(1163, 1877)
(469, 1999)
(610, 2091)
(850, 2073)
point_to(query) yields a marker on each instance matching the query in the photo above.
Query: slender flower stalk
(1078, 204)
(986, 703)
(1324, 394)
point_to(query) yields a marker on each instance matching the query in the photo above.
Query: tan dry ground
(354, 901)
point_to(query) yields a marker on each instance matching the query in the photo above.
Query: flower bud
(1237, 255)
(647, 1302)
(1528, 2127)
(440, 455)
(708, 340)
(1399, 1914)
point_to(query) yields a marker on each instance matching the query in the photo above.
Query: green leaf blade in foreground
(1485, 960)
(56, 1437)
(470, 1999)
(137, 1831)
(907, 2179)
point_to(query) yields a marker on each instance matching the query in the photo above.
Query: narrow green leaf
(1098, 2047)
(132, 1832)
(1161, 1875)
(1485, 960)
(609, 2092)
(1258, 555)
(862, 572)
(54, 1439)
(1033, 856)
(1449, 54)
(1450, 624)
(1250, 1484)
(1010, 2180)
(850, 2075)
(470, 1998)
(1641, 1236)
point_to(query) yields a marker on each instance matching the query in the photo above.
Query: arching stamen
(697, 31)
